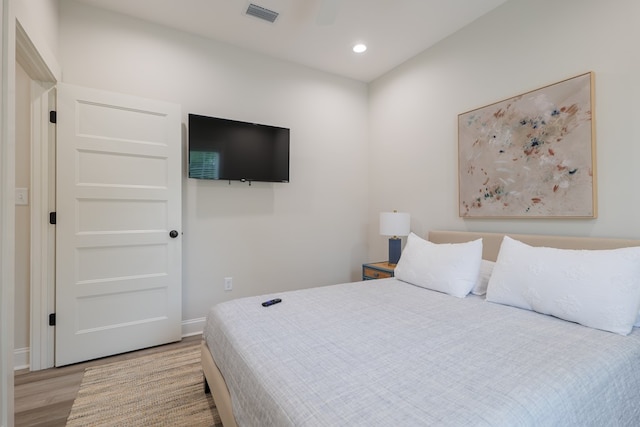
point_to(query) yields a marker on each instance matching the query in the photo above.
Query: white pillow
(452, 268)
(486, 268)
(596, 288)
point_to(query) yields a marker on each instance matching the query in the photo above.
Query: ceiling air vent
(262, 13)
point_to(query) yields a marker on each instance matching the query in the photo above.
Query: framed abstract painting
(532, 155)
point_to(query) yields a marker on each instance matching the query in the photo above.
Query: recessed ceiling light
(359, 48)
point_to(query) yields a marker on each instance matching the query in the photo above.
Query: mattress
(385, 352)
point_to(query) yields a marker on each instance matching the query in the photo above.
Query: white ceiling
(307, 33)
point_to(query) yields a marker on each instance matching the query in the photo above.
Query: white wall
(35, 16)
(268, 237)
(23, 219)
(39, 19)
(521, 46)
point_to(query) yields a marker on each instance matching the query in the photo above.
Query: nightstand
(377, 270)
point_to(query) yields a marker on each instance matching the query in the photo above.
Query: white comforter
(386, 353)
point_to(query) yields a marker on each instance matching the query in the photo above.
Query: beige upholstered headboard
(491, 241)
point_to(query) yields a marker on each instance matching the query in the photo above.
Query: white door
(118, 232)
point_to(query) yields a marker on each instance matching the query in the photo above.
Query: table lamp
(394, 224)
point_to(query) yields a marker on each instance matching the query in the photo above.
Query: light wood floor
(44, 398)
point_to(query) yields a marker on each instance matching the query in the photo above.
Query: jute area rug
(164, 389)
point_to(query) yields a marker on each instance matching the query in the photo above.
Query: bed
(391, 352)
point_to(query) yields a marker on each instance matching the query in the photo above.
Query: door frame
(42, 286)
(42, 249)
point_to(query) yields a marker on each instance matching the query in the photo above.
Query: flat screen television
(237, 151)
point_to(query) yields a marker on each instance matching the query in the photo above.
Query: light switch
(22, 196)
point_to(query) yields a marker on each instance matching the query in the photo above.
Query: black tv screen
(237, 151)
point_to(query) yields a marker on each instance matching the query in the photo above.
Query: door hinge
(52, 217)
(52, 319)
(53, 116)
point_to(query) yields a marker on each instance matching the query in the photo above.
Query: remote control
(271, 302)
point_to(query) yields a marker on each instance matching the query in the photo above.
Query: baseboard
(21, 358)
(193, 326)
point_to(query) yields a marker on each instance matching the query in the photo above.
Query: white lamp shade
(395, 223)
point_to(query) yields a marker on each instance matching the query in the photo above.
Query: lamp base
(395, 248)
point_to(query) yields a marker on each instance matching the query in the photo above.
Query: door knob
(173, 234)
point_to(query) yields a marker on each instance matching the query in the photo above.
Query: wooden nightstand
(377, 270)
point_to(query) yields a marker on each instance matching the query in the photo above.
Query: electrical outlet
(228, 283)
